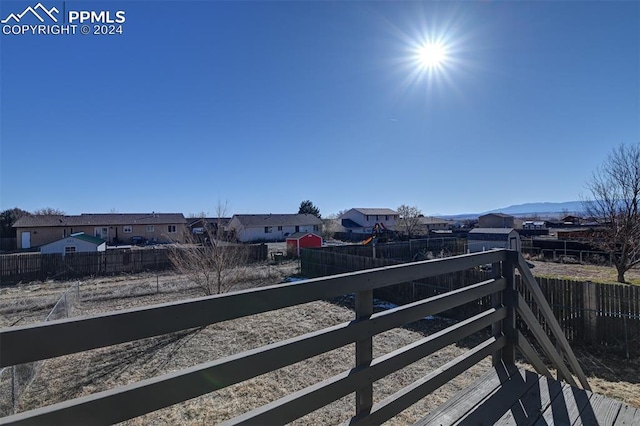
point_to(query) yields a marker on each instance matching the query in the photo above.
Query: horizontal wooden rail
(413, 393)
(314, 397)
(152, 394)
(36, 342)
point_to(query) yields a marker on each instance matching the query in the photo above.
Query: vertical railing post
(496, 302)
(364, 352)
(510, 300)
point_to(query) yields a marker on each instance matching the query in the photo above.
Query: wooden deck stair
(509, 396)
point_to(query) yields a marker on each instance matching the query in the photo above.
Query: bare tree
(409, 219)
(210, 258)
(613, 204)
(330, 226)
(48, 211)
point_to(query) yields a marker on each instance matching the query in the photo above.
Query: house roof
(81, 236)
(88, 238)
(99, 219)
(376, 211)
(210, 220)
(498, 215)
(431, 220)
(298, 235)
(249, 220)
(491, 231)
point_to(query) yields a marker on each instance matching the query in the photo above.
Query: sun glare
(431, 55)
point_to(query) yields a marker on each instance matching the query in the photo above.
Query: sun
(431, 55)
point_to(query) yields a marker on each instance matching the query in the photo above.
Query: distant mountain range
(544, 209)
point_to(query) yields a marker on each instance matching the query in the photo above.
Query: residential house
(198, 226)
(496, 220)
(75, 243)
(362, 220)
(427, 225)
(271, 227)
(114, 228)
(482, 239)
(571, 220)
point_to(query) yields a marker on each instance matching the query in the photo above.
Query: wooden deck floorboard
(507, 397)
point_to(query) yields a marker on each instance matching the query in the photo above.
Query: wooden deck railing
(42, 341)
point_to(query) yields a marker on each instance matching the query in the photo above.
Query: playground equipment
(379, 234)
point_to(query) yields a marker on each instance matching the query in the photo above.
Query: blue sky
(265, 104)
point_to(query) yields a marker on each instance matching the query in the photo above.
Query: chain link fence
(15, 380)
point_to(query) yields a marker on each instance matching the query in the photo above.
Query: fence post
(590, 308)
(496, 301)
(364, 352)
(510, 299)
(13, 388)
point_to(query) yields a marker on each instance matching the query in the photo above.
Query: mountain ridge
(528, 209)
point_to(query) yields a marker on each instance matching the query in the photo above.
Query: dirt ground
(77, 375)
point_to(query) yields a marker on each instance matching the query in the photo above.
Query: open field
(82, 374)
(598, 274)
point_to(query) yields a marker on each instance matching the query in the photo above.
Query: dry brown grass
(595, 273)
(89, 372)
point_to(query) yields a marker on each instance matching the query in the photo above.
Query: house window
(279, 228)
(316, 227)
(172, 229)
(386, 218)
(267, 229)
(150, 228)
(127, 229)
(69, 249)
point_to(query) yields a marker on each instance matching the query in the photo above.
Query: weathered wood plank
(470, 397)
(508, 395)
(527, 410)
(628, 416)
(565, 407)
(600, 411)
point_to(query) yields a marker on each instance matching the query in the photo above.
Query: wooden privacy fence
(601, 314)
(406, 251)
(62, 337)
(24, 267)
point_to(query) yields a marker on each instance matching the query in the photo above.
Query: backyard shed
(482, 239)
(75, 243)
(302, 240)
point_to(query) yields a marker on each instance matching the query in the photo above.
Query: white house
(482, 239)
(272, 227)
(362, 220)
(75, 243)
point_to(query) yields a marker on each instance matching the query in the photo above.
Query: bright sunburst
(431, 55)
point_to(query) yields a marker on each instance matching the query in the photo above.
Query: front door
(26, 240)
(102, 232)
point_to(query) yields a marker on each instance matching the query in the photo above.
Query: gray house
(496, 220)
(75, 243)
(272, 227)
(482, 239)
